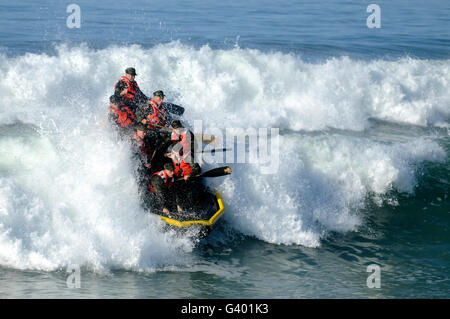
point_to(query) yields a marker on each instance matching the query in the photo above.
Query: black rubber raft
(209, 211)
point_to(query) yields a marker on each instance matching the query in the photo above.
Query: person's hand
(169, 155)
(148, 165)
(186, 177)
(125, 91)
(165, 211)
(144, 121)
(179, 209)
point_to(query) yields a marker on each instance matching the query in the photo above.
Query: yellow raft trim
(188, 223)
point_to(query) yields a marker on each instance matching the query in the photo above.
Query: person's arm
(148, 152)
(143, 112)
(190, 168)
(121, 89)
(185, 169)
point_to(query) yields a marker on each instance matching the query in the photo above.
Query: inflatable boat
(203, 217)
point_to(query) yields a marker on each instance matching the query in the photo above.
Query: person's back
(181, 151)
(142, 155)
(120, 114)
(161, 186)
(185, 168)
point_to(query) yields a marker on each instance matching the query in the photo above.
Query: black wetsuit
(164, 197)
(187, 193)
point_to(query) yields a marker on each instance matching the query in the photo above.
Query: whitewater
(67, 189)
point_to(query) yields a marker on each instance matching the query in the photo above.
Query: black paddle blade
(216, 172)
(173, 108)
(215, 150)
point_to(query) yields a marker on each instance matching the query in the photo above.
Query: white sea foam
(67, 191)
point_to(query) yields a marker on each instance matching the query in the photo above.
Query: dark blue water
(314, 29)
(364, 116)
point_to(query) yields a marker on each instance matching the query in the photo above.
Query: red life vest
(167, 182)
(180, 135)
(179, 162)
(182, 169)
(158, 117)
(125, 117)
(132, 88)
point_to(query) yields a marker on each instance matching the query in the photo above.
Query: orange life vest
(158, 117)
(125, 117)
(167, 182)
(179, 162)
(182, 169)
(132, 88)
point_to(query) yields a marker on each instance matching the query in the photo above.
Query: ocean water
(363, 176)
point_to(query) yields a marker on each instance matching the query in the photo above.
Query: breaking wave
(67, 189)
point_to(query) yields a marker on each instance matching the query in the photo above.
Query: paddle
(205, 138)
(173, 108)
(215, 172)
(215, 150)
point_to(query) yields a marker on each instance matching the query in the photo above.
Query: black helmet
(131, 71)
(169, 166)
(159, 93)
